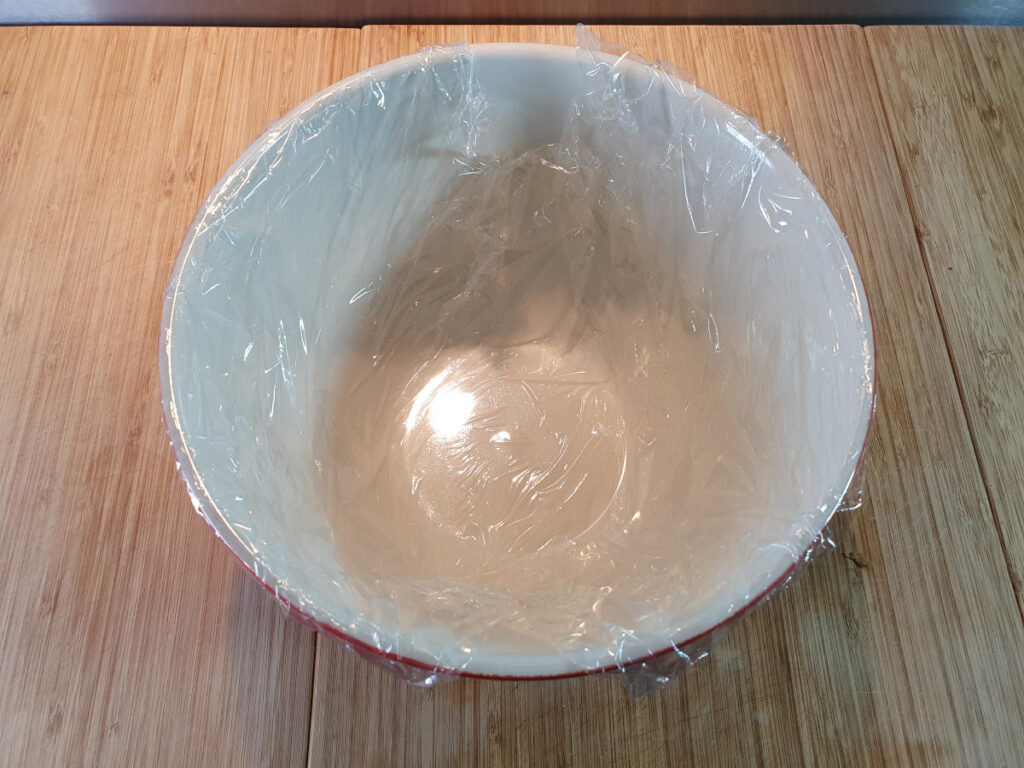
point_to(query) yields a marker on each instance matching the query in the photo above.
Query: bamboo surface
(129, 635)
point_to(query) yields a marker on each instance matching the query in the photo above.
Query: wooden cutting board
(128, 634)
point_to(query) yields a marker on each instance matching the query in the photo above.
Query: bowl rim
(204, 504)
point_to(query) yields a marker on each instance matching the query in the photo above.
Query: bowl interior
(707, 466)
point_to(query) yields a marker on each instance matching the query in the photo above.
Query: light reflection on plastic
(450, 411)
(448, 408)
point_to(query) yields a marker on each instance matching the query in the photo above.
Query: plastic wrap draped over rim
(367, 294)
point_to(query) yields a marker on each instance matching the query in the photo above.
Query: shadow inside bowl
(527, 439)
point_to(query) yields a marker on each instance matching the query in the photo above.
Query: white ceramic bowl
(252, 301)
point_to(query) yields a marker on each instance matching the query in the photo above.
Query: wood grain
(127, 633)
(902, 646)
(955, 102)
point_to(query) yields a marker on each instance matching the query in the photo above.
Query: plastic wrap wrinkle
(510, 362)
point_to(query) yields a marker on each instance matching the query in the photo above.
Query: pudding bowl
(516, 361)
